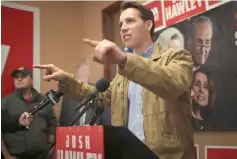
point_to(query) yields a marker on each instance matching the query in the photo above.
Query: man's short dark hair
(145, 12)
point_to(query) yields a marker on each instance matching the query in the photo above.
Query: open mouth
(200, 98)
(126, 37)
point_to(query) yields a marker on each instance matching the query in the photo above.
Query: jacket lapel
(157, 52)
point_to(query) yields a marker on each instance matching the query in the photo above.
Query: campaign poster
(80, 142)
(220, 152)
(20, 43)
(210, 35)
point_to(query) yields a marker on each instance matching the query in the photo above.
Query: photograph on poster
(220, 152)
(211, 38)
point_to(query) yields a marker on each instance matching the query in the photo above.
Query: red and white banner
(220, 152)
(196, 151)
(80, 142)
(157, 9)
(169, 12)
(20, 42)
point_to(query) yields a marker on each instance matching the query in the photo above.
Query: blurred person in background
(171, 38)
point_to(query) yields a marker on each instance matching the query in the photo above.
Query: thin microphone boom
(86, 108)
(86, 100)
(100, 86)
(97, 113)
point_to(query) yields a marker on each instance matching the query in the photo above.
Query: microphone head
(59, 94)
(102, 85)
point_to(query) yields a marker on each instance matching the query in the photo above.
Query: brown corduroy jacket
(166, 106)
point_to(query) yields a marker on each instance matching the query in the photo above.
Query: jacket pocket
(165, 141)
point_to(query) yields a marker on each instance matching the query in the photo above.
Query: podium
(100, 142)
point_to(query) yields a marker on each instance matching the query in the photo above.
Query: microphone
(52, 97)
(101, 86)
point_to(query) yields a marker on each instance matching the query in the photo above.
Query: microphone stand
(86, 108)
(97, 113)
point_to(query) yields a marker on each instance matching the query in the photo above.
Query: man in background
(171, 38)
(28, 143)
(200, 40)
(69, 105)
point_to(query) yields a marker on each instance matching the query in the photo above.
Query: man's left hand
(107, 52)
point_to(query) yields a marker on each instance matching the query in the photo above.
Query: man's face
(23, 81)
(201, 42)
(133, 30)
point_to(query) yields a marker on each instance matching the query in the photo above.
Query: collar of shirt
(148, 52)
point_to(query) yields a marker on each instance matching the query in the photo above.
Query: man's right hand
(51, 72)
(25, 119)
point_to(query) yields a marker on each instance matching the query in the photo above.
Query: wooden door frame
(108, 29)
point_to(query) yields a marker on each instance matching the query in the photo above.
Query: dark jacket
(10, 123)
(36, 138)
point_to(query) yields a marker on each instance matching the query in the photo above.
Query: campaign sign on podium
(84, 142)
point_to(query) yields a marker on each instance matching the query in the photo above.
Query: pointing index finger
(43, 66)
(92, 43)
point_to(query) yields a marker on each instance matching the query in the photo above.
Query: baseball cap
(22, 70)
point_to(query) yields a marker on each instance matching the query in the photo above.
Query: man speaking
(150, 94)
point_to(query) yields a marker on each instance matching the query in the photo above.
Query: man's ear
(32, 81)
(149, 24)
